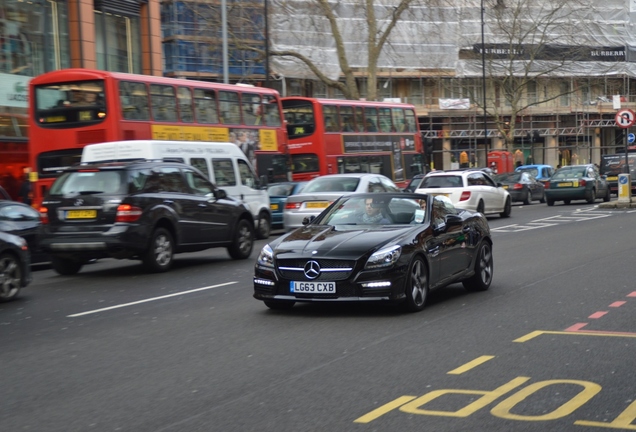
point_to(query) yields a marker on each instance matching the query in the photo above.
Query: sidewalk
(616, 204)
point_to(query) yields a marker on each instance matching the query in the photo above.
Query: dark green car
(576, 182)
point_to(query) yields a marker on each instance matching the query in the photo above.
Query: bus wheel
(64, 266)
(264, 226)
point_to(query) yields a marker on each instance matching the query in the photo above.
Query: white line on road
(149, 300)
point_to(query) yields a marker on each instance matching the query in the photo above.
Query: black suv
(141, 210)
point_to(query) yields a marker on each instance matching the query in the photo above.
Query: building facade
(38, 36)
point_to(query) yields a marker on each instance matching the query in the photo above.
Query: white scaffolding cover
(431, 39)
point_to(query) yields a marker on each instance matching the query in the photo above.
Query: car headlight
(266, 257)
(384, 257)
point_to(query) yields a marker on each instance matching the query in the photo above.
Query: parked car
(422, 242)
(24, 221)
(278, 194)
(15, 266)
(541, 172)
(471, 189)
(576, 182)
(522, 186)
(143, 210)
(322, 191)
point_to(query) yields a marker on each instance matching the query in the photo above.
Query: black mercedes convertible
(387, 247)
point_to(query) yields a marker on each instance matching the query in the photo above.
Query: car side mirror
(220, 194)
(309, 219)
(453, 220)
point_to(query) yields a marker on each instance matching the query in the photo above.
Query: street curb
(619, 204)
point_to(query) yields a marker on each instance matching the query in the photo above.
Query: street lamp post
(266, 30)
(483, 79)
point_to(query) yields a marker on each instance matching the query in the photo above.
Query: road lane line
(617, 304)
(598, 314)
(538, 333)
(123, 305)
(470, 365)
(632, 294)
(378, 412)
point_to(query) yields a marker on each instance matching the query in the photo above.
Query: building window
(532, 92)
(117, 42)
(564, 91)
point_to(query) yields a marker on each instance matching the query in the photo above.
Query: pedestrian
(26, 195)
(463, 160)
(518, 158)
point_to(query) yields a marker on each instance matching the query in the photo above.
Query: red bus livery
(328, 136)
(74, 107)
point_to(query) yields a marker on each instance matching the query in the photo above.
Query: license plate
(566, 184)
(505, 186)
(312, 287)
(273, 206)
(81, 214)
(612, 178)
(317, 204)
(439, 194)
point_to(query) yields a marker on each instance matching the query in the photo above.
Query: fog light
(376, 284)
(264, 282)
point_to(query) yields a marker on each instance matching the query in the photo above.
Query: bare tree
(532, 50)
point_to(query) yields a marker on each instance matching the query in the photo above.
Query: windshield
(375, 210)
(569, 172)
(508, 177)
(70, 104)
(533, 171)
(332, 184)
(441, 182)
(90, 182)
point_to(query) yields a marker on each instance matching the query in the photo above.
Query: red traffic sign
(625, 118)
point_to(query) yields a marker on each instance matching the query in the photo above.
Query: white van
(224, 163)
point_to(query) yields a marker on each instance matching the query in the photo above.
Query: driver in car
(373, 213)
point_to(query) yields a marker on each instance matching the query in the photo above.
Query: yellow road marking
(536, 333)
(470, 365)
(369, 417)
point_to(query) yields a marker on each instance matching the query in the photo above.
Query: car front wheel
(482, 278)
(416, 286)
(160, 253)
(243, 242)
(10, 277)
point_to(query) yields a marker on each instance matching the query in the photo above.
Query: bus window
(251, 104)
(371, 119)
(133, 98)
(201, 165)
(71, 104)
(50, 164)
(348, 122)
(185, 104)
(411, 120)
(330, 114)
(385, 120)
(359, 119)
(305, 163)
(230, 108)
(398, 120)
(223, 172)
(163, 102)
(272, 111)
(205, 103)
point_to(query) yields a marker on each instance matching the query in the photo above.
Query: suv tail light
(127, 213)
(44, 215)
(465, 196)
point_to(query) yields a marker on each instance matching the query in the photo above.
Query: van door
(250, 189)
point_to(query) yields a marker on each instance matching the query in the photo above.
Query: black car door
(451, 238)
(215, 217)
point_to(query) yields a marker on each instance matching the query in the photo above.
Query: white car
(470, 190)
(322, 191)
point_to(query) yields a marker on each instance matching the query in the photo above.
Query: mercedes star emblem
(312, 269)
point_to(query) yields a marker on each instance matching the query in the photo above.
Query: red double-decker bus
(328, 136)
(74, 107)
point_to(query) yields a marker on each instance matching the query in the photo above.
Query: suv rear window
(441, 182)
(90, 182)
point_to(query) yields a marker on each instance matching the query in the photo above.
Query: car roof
(125, 164)
(534, 166)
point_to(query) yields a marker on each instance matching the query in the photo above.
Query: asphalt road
(551, 346)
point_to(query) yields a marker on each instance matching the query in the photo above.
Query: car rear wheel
(542, 199)
(264, 226)
(528, 199)
(591, 196)
(243, 243)
(566, 202)
(482, 278)
(507, 209)
(550, 202)
(606, 198)
(10, 277)
(416, 286)
(279, 304)
(160, 253)
(65, 266)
